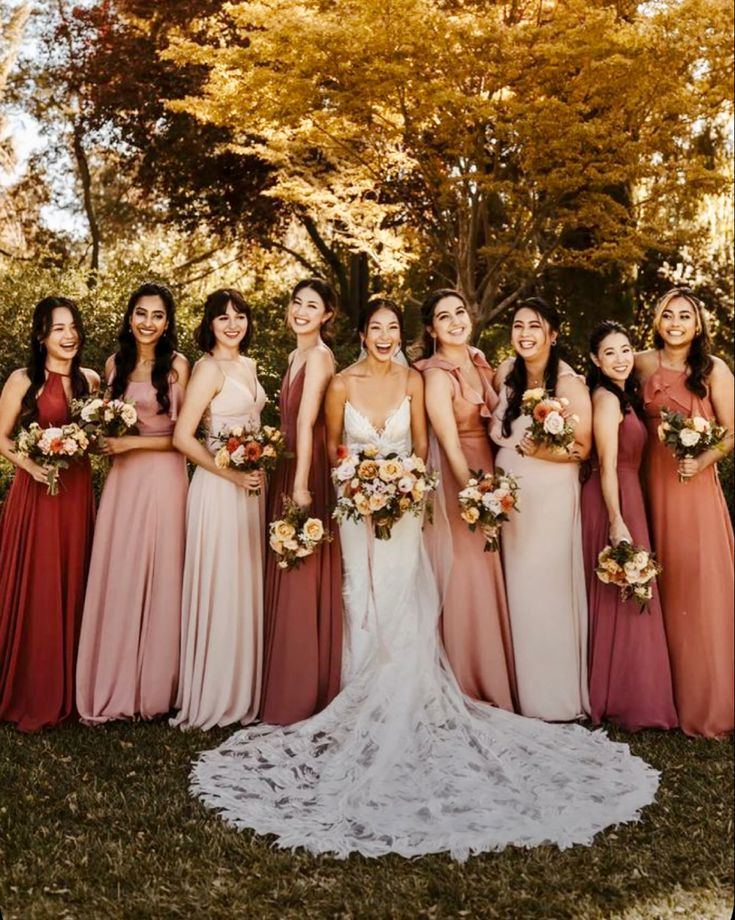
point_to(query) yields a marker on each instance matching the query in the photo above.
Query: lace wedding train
(400, 761)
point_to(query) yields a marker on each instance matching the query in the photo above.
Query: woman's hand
(302, 497)
(528, 446)
(251, 482)
(619, 533)
(35, 471)
(689, 467)
(110, 447)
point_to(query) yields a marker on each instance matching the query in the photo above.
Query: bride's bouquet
(486, 502)
(53, 448)
(688, 437)
(381, 489)
(296, 535)
(249, 451)
(102, 417)
(549, 426)
(631, 568)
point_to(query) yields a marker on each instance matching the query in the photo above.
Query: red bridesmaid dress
(45, 544)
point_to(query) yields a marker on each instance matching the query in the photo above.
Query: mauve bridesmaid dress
(303, 608)
(475, 627)
(128, 661)
(693, 537)
(45, 542)
(629, 670)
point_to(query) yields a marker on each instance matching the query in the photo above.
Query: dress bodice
(666, 387)
(394, 437)
(235, 404)
(519, 425)
(52, 404)
(472, 409)
(152, 422)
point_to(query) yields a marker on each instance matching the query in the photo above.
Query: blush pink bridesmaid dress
(128, 661)
(475, 627)
(693, 538)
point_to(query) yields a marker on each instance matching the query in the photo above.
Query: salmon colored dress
(45, 542)
(475, 627)
(303, 607)
(693, 537)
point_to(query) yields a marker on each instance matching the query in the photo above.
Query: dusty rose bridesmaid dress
(129, 645)
(45, 541)
(629, 670)
(475, 626)
(303, 608)
(693, 537)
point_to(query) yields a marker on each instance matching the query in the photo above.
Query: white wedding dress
(401, 762)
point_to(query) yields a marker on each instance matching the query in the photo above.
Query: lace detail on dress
(401, 762)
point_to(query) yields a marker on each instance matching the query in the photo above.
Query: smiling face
(148, 321)
(229, 328)
(62, 341)
(531, 335)
(615, 357)
(382, 337)
(307, 312)
(451, 324)
(677, 322)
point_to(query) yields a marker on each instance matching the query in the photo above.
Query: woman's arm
(606, 426)
(721, 384)
(334, 410)
(440, 407)
(206, 382)
(128, 442)
(10, 405)
(573, 389)
(419, 433)
(318, 372)
(93, 380)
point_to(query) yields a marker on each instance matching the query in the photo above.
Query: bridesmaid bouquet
(250, 451)
(102, 417)
(632, 568)
(296, 536)
(53, 448)
(486, 501)
(548, 424)
(381, 489)
(688, 437)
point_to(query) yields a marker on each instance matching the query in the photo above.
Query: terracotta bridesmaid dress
(629, 670)
(475, 627)
(128, 661)
(45, 542)
(222, 593)
(303, 608)
(693, 538)
(544, 580)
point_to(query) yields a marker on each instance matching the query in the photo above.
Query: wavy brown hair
(699, 359)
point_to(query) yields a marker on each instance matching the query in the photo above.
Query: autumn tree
(495, 142)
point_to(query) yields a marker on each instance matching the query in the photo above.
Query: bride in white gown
(400, 761)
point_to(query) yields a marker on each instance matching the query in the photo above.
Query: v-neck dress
(303, 607)
(222, 593)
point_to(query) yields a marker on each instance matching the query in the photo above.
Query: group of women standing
(176, 605)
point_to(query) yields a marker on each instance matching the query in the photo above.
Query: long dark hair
(428, 345)
(699, 359)
(36, 366)
(630, 397)
(372, 307)
(216, 305)
(126, 356)
(329, 297)
(517, 379)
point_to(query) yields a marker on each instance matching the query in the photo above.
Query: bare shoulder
(206, 368)
(180, 362)
(18, 381)
(180, 368)
(720, 371)
(572, 385)
(338, 385)
(109, 366)
(645, 361)
(250, 364)
(320, 360)
(93, 379)
(436, 379)
(502, 371)
(604, 401)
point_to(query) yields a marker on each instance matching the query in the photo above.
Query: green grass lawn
(98, 823)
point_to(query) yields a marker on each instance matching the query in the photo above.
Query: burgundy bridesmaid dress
(303, 607)
(629, 670)
(45, 543)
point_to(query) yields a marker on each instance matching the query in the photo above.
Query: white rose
(70, 446)
(405, 484)
(640, 560)
(238, 455)
(409, 463)
(345, 471)
(688, 437)
(491, 503)
(554, 423)
(700, 424)
(129, 415)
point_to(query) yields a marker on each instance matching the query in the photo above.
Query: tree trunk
(85, 175)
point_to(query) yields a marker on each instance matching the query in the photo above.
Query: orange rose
(253, 450)
(232, 445)
(342, 452)
(541, 411)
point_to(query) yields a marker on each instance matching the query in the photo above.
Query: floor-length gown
(303, 607)
(544, 579)
(475, 628)
(693, 538)
(222, 595)
(401, 762)
(45, 541)
(629, 670)
(128, 661)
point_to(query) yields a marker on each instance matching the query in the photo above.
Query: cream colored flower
(377, 502)
(371, 451)
(222, 458)
(640, 560)
(699, 424)
(554, 423)
(368, 469)
(275, 544)
(361, 503)
(269, 451)
(313, 529)
(390, 470)
(689, 437)
(236, 432)
(283, 530)
(533, 395)
(303, 551)
(471, 515)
